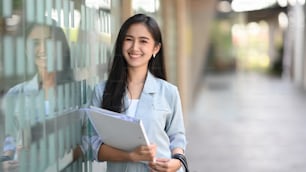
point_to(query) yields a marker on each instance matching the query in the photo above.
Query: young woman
(137, 87)
(20, 112)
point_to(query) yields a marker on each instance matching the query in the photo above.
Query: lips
(135, 55)
(42, 57)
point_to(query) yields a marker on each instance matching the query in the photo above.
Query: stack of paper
(117, 130)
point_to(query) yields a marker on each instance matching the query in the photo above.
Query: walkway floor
(247, 123)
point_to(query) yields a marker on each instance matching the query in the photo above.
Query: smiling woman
(137, 87)
(42, 45)
(39, 35)
(41, 40)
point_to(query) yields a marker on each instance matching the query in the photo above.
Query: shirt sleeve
(175, 126)
(91, 142)
(9, 144)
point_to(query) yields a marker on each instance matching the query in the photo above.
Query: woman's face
(39, 34)
(139, 46)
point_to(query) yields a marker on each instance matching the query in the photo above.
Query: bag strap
(183, 160)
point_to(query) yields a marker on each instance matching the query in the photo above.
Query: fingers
(164, 165)
(148, 151)
(160, 165)
(150, 148)
(157, 168)
(144, 153)
(10, 164)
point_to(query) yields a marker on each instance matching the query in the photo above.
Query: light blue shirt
(160, 109)
(27, 89)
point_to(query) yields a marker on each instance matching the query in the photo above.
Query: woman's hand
(165, 165)
(143, 153)
(9, 165)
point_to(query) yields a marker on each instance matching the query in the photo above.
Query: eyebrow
(142, 37)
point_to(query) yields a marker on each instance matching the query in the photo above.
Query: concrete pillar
(116, 11)
(288, 47)
(272, 31)
(201, 15)
(298, 44)
(175, 30)
(126, 9)
(304, 53)
(168, 25)
(183, 58)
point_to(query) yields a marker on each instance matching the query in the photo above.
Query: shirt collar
(151, 83)
(32, 84)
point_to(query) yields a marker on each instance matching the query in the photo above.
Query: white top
(131, 111)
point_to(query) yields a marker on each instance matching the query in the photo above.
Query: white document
(117, 130)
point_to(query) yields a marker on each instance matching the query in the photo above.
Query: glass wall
(52, 53)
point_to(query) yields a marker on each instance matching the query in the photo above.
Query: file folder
(117, 130)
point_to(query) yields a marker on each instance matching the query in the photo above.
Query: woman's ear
(156, 48)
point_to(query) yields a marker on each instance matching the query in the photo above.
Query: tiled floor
(247, 123)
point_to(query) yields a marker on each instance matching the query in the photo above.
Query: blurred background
(240, 66)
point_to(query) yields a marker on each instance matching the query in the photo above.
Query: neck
(47, 81)
(136, 77)
(136, 80)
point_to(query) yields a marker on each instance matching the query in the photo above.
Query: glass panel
(67, 96)
(34, 160)
(66, 13)
(58, 15)
(43, 154)
(60, 98)
(7, 8)
(83, 17)
(50, 56)
(51, 53)
(8, 56)
(30, 57)
(72, 13)
(48, 12)
(40, 15)
(30, 10)
(20, 70)
(51, 148)
(59, 55)
(61, 142)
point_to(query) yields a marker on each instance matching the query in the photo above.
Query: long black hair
(114, 92)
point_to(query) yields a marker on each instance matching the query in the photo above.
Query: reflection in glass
(47, 65)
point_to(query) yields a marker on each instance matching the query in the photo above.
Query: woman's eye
(143, 41)
(128, 39)
(36, 42)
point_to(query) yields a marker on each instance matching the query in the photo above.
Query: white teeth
(135, 55)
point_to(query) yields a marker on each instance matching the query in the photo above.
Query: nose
(40, 48)
(135, 45)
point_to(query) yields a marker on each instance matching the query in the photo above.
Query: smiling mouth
(135, 55)
(43, 57)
